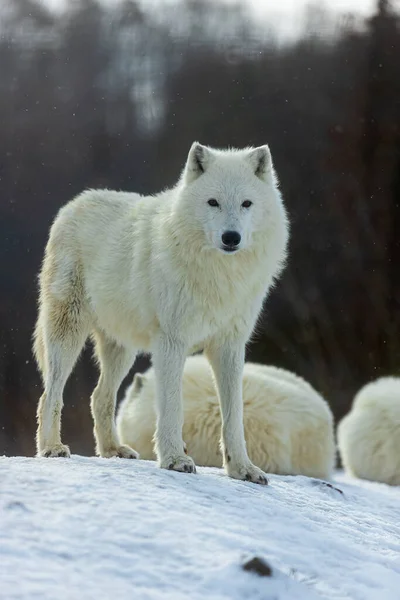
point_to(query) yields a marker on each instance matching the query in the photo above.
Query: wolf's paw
(120, 452)
(184, 464)
(247, 472)
(57, 450)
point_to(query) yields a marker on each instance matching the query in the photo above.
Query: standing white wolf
(184, 270)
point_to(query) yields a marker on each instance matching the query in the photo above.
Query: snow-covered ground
(90, 528)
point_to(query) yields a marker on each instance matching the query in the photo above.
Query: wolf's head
(230, 195)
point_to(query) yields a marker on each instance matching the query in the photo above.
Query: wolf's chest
(217, 304)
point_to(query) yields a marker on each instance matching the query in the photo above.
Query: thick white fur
(150, 274)
(288, 425)
(369, 435)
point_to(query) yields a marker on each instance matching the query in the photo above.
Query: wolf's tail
(38, 348)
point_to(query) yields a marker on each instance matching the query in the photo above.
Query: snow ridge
(91, 528)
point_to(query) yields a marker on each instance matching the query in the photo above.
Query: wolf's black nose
(231, 238)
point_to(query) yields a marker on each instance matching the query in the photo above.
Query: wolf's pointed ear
(261, 161)
(197, 162)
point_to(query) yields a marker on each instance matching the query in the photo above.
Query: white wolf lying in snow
(184, 270)
(288, 425)
(369, 435)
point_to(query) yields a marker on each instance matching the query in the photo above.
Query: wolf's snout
(231, 239)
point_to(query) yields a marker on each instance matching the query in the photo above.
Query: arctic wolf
(288, 426)
(369, 435)
(184, 270)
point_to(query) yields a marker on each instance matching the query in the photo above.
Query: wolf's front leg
(227, 360)
(168, 359)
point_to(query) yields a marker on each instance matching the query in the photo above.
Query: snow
(92, 528)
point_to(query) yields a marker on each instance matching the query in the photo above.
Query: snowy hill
(89, 528)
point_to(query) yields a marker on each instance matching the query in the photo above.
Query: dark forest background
(113, 97)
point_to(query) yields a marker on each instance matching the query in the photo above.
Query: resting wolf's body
(369, 435)
(288, 426)
(186, 269)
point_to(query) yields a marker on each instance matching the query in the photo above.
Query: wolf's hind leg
(60, 336)
(115, 362)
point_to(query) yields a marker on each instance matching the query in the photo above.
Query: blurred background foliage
(112, 95)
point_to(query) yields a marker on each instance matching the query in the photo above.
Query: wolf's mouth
(229, 249)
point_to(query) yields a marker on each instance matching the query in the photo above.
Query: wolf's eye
(213, 202)
(247, 204)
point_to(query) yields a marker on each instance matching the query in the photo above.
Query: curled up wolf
(186, 269)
